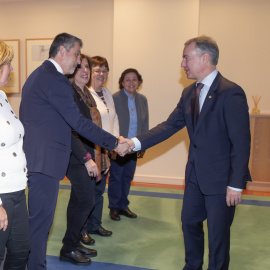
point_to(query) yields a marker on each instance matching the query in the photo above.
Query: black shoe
(127, 213)
(87, 239)
(114, 214)
(86, 251)
(74, 257)
(101, 231)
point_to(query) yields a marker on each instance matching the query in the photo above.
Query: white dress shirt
(57, 66)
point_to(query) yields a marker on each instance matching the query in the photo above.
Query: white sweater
(12, 158)
(108, 114)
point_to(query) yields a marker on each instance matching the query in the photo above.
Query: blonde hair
(6, 53)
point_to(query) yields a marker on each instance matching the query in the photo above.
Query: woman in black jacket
(87, 162)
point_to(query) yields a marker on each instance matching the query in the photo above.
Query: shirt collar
(129, 96)
(57, 66)
(208, 80)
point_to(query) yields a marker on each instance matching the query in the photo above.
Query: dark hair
(65, 40)
(99, 61)
(125, 72)
(206, 45)
(71, 77)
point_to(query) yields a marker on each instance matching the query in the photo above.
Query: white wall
(241, 28)
(149, 35)
(90, 20)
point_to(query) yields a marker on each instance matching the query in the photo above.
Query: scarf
(101, 155)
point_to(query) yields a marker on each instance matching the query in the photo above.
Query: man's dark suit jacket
(48, 112)
(219, 143)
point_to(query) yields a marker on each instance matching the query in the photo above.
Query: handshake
(124, 146)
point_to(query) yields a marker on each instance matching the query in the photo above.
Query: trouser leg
(115, 181)
(17, 234)
(193, 215)
(219, 220)
(127, 177)
(8, 204)
(81, 203)
(94, 220)
(42, 198)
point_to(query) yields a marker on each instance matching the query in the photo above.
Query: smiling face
(131, 83)
(4, 73)
(71, 58)
(99, 77)
(193, 62)
(82, 76)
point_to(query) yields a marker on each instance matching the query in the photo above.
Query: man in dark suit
(48, 112)
(217, 167)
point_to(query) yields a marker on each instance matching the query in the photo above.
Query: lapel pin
(210, 96)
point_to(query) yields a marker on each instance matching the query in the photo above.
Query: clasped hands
(124, 146)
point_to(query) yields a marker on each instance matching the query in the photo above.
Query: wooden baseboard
(258, 186)
(159, 180)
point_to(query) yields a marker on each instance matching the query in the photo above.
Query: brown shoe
(126, 212)
(102, 232)
(87, 239)
(114, 214)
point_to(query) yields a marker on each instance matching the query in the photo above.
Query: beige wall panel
(90, 20)
(149, 35)
(241, 29)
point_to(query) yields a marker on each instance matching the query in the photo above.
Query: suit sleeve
(174, 123)
(60, 97)
(237, 121)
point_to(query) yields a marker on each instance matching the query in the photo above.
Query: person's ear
(62, 50)
(206, 57)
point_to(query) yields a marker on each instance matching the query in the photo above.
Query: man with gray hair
(215, 112)
(48, 112)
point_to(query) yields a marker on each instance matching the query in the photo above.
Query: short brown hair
(99, 61)
(125, 72)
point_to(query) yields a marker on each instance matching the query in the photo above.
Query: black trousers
(81, 204)
(16, 237)
(95, 219)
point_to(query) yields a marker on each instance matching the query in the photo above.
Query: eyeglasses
(99, 71)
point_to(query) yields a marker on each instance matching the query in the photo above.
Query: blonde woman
(14, 227)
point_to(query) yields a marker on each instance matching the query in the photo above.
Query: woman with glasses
(14, 227)
(109, 120)
(132, 110)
